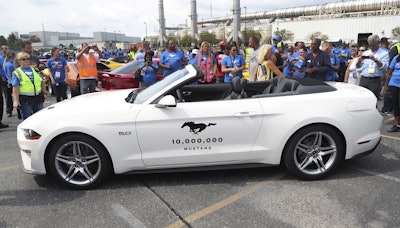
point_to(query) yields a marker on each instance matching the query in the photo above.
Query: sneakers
(395, 128)
(3, 125)
(386, 114)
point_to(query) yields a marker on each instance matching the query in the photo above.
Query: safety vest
(207, 66)
(87, 68)
(26, 86)
(397, 45)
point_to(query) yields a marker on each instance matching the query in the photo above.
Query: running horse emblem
(197, 127)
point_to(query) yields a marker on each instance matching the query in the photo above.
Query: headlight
(31, 134)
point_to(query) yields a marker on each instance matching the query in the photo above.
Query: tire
(79, 161)
(314, 152)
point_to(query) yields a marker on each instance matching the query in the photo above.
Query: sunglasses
(25, 59)
(361, 50)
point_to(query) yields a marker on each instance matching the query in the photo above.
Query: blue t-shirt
(395, 79)
(149, 75)
(331, 74)
(56, 66)
(192, 59)
(286, 69)
(173, 59)
(298, 68)
(9, 68)
(230, 62)
(2, 73)
(346, 55)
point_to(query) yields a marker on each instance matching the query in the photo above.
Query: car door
(196, 133)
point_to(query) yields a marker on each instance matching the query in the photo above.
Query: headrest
(238, 84)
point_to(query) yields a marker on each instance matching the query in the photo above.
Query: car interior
(240, 88)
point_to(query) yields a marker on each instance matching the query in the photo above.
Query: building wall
(346, 29)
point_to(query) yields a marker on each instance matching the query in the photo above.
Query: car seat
(280, 85)
(238, 85)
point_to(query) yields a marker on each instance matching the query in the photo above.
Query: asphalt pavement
(362, 193)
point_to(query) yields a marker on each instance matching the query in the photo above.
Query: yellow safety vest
(26, 86)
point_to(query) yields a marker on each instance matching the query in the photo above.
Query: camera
(365, 57)
(90, 47)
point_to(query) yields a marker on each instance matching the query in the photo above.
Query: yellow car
(246, 71)
(113, 65)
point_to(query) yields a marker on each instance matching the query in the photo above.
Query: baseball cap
(277, 37)
(222, 43)
(195, 51)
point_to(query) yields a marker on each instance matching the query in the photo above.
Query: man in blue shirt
(172, 59)
(372, 63)
(3, 83)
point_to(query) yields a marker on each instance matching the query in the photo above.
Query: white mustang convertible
(306, 125)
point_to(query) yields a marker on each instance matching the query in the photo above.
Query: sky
(129, 17)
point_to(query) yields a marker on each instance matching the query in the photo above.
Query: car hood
(94, 108)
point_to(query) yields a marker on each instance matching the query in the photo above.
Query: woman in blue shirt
(149, 70)
(392, 83)
(233, 64)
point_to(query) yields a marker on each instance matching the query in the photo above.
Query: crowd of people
(375, 66)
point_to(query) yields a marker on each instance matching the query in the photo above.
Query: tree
(396, 32)
(187, 40)
(3, 40)
(13, 42)
(285, 34)
(209, 37)
(319, 35)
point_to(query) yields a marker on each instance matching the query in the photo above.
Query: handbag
(262, 73)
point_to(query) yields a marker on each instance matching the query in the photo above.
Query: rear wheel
(79, 161)
(314, 152)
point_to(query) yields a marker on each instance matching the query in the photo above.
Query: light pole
(145, 25)
(105, 37)
(245, 22)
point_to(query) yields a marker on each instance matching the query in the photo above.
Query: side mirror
(167, 101)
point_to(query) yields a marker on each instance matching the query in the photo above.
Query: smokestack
(236, 20)
(162, 21)
(193, 16)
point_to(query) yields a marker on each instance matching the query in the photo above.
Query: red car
(122, 77)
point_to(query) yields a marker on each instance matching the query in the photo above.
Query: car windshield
(142, 96)
(128, 68)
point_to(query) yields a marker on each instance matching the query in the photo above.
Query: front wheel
(314, 152)
(79, 161)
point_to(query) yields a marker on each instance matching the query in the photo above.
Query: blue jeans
(30, 107)
(87, 85)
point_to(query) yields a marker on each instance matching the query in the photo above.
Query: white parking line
(375, 174)
(127, 216)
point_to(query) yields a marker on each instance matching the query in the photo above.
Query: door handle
(187, 93)
(245, 114)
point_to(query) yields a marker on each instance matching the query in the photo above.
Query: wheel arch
(51, 143)
(314, 124)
